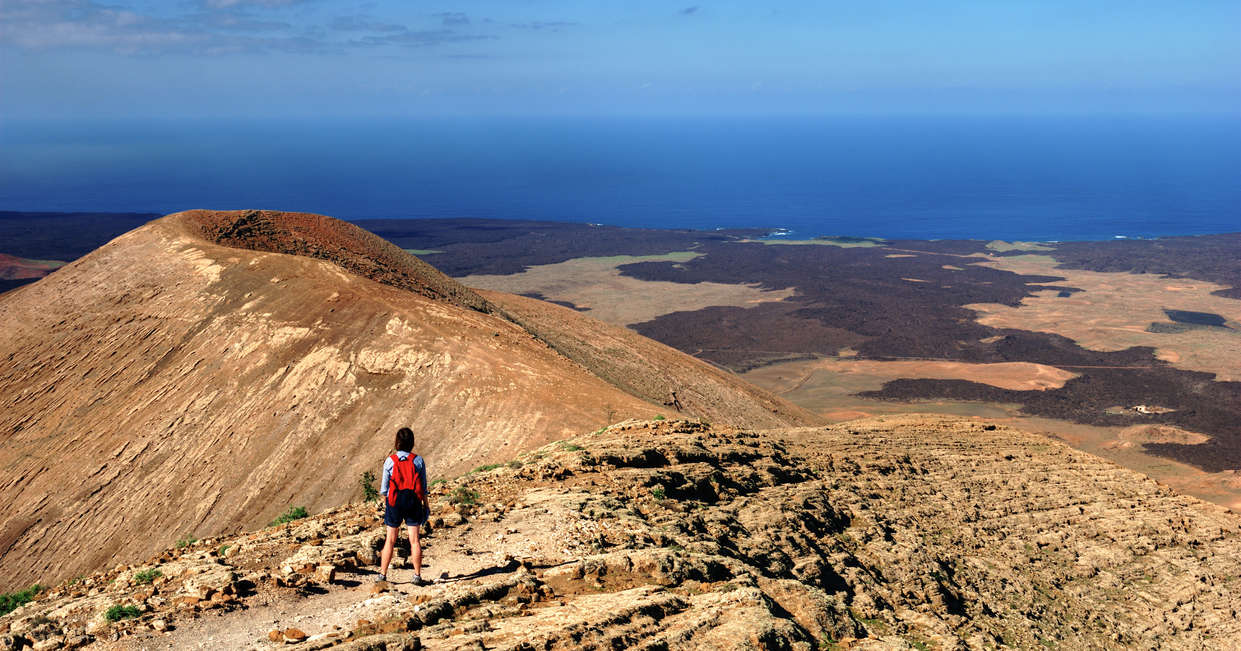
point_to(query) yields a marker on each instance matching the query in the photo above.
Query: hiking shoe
(382, 579)
(418, 580)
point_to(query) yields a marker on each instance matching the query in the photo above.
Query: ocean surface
(1044, 178)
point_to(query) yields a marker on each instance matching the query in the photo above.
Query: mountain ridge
(191, 387)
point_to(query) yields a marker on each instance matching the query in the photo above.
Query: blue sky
(291, 58)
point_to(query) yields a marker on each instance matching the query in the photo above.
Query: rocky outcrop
(909, 532)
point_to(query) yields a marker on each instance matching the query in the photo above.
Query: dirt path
(349, 599)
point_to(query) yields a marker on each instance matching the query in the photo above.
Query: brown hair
(404, 440)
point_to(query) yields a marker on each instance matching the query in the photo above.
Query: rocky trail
(912, 532)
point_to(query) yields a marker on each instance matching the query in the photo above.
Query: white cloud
(51, 24)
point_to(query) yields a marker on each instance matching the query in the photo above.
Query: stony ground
(905, 532)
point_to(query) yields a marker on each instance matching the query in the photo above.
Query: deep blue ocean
(1044, 178)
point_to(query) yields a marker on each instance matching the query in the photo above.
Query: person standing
(404, 488)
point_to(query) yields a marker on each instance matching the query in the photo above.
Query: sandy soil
(1017, 376)
(596, 287)
(1116, 308)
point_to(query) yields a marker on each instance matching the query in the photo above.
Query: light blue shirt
(419, 465)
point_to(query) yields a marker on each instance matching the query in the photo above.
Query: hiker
(404, 487)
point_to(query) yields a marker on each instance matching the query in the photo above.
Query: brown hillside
(191, 377)
(625, 358)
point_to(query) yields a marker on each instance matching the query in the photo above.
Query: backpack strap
(413, 466)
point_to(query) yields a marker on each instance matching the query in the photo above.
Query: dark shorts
(408, 508)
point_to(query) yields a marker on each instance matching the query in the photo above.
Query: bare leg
(415, 548)
(389, 547)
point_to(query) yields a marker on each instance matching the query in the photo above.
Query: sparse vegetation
(118, 612)
(514, 464)
(570, 447)
(463, 496)
(186, 542)
(146, 576)
(658, 492)
(659, 417)
(873, 624)
(367, 481)
(484, 468)
(436, 482)
(10, 601)
(294, 513)
(222, 550)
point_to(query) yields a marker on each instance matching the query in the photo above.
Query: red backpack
(405, 477)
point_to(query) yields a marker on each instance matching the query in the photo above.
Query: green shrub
(294, 513)
(118, 612)
(186, 542)
(437, 482)
(659, 417)
(484, 468)
(367, 481)
(10, 601)
(147, 576)
(222, 549)
(658, 492)
(464, 496)
(569, 447)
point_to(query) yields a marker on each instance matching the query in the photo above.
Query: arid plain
(1105, 311)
